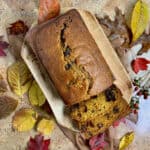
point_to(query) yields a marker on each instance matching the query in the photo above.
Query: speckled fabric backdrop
(12, 10)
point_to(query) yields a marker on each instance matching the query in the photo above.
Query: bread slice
(95, 115)
(71, 56)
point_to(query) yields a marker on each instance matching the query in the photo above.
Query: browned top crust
(71, 57)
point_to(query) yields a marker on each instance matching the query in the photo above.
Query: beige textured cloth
(12, 10)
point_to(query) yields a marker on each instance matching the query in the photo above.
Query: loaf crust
(71, 57)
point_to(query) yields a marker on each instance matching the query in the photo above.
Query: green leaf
(19, 78)
(24, 119)
(7, 106)
(139, 19)
(36, 96)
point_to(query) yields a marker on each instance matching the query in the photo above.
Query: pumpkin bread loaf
(68, 52)
(71, 57)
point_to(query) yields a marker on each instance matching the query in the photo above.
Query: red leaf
(18, 27)
(97, 142)
(48, 9)
(139, 64)
(38, 143)
(3, 45)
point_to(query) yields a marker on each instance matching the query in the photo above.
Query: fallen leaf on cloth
(24, 119)
(3, 86)
(139, 19)
(18, 27)
(38, 143)
(116, 123)
(140, 64)
(3, 45)
(126, 140)
(48, 9)
(45, 126)
(19, 78)
(7, 106)
(97, 142)
(36, 96)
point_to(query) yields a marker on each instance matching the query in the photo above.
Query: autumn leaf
(117, 123)
(7, 106)
(3, 86)
(24, 119)
(3, 45)
(45, 126)
(48, 9)
(46, 107)
(38, 143)
(18, 27)
(97, 142)
(36, 96)
(126, 140)
(140, 64)
(139, 19)
(19, 78)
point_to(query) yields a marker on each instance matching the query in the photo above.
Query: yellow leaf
(126, 140)
(139, 19)
(19, 78)
(24, 119)
(45, 126)
(36, 96)
(7, 106)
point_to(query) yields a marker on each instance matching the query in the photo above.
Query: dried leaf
(3, 86)
(38, 143)
(18, 27)
(45, 126)
(36, 96)
(46, 108)
(145, 48)
(24, 119)
(3, 45)
(7, 106)
(97, 142)
(139, 19)
(19, 78)
(48, 9)
(140, 64)
(126, 140)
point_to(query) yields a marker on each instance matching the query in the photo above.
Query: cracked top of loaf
(71, 57)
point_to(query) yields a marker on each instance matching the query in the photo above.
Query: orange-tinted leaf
(18, 27)
(48, 9)
(38, 143)
(140, 64)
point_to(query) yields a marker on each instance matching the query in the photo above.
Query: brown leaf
(3, 86)
(120, 33)
(145, 48)
(18, 27)
(7, 106)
